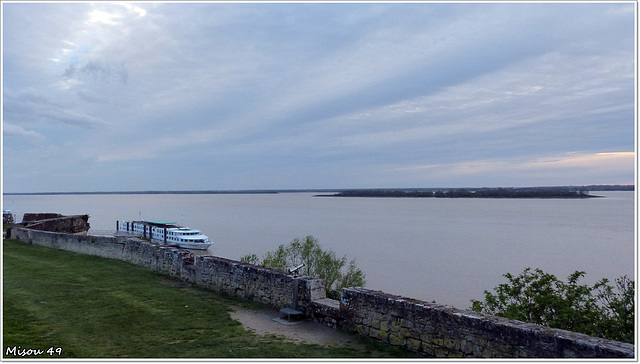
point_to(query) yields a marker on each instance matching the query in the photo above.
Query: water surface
(447, 250)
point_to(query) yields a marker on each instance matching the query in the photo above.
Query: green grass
(101, 308)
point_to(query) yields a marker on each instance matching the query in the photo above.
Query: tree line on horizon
(473, 193)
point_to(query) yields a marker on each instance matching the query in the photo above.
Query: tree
(323, 264)
(539, 297)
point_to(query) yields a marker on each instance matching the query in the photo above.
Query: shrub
(319, 263)
(539, 297)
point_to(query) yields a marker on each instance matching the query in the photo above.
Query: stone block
(414, 334)
(440, 352)
(427, 350)
(362, 330)
(384, 325)
(426, 337)
(466, 347)
(375, 323)
(395, 324)
(489, 353)
(383, 335)
(366, 321)
(397, 340)
(413, 344)
(404, 332)
(405, 323)
(450, 343)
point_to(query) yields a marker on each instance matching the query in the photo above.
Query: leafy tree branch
(538, 297)
(320, 263)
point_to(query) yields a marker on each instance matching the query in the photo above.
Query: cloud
(18, 131)
(71, 117)
(391, 63)
(600, 161)
(575, 165)
(524, 108)
(96, 70)
(162, 147)
(391, 87)
(33, 108)
(282, 90)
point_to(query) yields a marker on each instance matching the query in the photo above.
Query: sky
(218, 96)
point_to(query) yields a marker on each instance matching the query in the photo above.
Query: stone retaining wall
(430, 330)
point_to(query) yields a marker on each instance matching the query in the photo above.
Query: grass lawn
(90, 307)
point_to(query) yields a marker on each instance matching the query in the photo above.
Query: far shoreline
(497, 193)
(335, 192)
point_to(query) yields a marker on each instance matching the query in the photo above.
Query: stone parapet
(327, 312)
(434, 330)
(268, 286)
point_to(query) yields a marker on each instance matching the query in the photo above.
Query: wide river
(433, 249)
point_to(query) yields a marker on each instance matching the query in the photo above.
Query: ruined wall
(430, 330)
(56, 223)
(37, 216)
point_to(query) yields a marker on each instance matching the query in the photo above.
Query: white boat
(166, 232)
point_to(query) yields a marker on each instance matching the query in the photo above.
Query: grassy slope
(100, 308)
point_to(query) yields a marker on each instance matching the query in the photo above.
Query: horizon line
(292, 190)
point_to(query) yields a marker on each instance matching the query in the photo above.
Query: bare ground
(262, 323)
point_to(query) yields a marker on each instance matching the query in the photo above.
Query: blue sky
(174, 96)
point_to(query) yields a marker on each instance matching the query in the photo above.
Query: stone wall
(264, 285)
(430, 330)
(434, 330)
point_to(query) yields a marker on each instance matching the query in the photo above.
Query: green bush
(539, 297)
(319, 263)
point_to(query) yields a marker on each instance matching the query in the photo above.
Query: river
(433, 249)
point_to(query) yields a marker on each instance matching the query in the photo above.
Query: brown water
(447, 250)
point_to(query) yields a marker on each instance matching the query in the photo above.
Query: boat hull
(182, 244)
(194, 246)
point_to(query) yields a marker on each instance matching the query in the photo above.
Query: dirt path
(262, 322)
